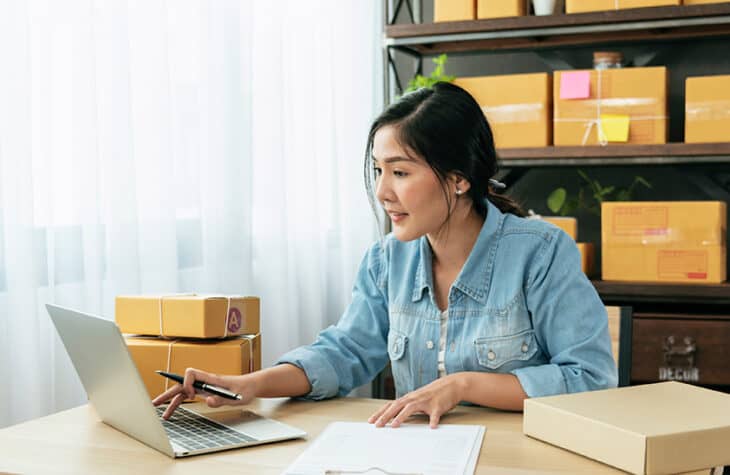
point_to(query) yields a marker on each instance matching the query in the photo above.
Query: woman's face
(407, 188)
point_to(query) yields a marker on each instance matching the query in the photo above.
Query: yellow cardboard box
(240, 355)
(672, 241)
(500, 8)
(650, 429)
(587, 257)
(517, 106)
(707, 109)
(582, 6)
(640, 93)
(188, 316)
(566, 223)
(700, 2)
(454, 10)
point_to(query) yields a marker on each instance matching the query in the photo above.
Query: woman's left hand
(434, 399)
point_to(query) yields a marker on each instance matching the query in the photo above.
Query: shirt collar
(473, 280)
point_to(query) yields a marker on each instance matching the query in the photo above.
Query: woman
(468, 300)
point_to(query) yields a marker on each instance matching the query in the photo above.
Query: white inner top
(442, 343)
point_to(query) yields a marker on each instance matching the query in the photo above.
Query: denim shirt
(520, 305)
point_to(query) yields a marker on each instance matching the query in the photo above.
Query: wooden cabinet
(683, 347)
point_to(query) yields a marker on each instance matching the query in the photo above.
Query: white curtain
(178, 146)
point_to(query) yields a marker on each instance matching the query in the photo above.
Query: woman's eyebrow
(395, 159)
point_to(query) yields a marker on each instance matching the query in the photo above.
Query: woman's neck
(452, 245)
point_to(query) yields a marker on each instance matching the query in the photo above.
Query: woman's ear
(460, 185)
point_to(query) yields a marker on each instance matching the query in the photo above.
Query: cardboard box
(587, 257)
(673, 241)
(454, 10)
(582, 6)
(640, 93)
(566, 223)
(500, 8)
(517, 106)
(188, 316)
(707, 109)
(240, 355)
(701, 2)
(651, 429)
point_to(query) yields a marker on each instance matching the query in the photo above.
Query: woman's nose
(382, 189)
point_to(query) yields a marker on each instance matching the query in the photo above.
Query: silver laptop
(99, 353)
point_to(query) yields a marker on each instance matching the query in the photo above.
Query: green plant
(437, 75)
(590, 196)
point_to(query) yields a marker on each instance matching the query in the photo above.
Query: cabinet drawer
(693, 350)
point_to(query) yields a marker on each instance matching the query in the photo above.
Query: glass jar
(607, 59)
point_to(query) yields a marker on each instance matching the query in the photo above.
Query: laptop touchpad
(252, 424)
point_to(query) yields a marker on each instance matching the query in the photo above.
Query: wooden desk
(75, 441)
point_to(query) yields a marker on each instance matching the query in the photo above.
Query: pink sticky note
(575, 85)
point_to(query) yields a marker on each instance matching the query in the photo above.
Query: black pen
(209, 388)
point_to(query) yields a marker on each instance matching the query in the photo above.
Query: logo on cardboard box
(234, 320)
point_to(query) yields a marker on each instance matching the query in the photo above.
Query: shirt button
(453, 346)
(491, 355)
(525, 347)
(429, 344)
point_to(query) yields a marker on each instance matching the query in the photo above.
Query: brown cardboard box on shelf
(649, 429)
(188, 316)
(454, 10)
(500, 8)
(701, 2)
(587, 257)
(672, 241)
(582, 6)
(240, 355)
(566, 223)
(640, 93)
(707, 109)
(517, 107)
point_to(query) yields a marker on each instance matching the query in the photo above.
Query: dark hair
(445, 126)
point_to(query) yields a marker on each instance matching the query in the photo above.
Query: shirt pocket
(493, 352)
(397, 346)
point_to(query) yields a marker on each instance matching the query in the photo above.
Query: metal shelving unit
(539, 33)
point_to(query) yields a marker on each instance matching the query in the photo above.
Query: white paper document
(361, 448)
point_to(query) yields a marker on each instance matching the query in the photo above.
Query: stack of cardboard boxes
(673, 241)
(171, 333)
(460, 10)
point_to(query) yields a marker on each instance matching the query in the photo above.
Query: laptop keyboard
(194, 432)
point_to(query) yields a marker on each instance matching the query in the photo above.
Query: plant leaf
(556, 199)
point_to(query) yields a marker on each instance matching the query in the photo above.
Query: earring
(458, 192)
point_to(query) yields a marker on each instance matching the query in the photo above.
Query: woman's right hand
(243, 385)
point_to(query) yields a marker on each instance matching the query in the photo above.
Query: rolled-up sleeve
(352, 352)
(570, 322)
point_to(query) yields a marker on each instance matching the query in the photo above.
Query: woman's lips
(397, 217)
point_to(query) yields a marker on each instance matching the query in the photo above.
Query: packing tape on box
(513, 113)
(169, 358)
(618, 101)
(708, 110)
(162, 297)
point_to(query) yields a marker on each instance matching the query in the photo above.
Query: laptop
(109, 375)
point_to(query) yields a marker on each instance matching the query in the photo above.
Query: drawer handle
(684, 349)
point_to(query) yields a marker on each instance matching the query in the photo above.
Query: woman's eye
(399, 173)
(377, 171)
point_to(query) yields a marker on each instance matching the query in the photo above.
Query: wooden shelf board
(616, 154)
(535, 32)
(647, 291)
